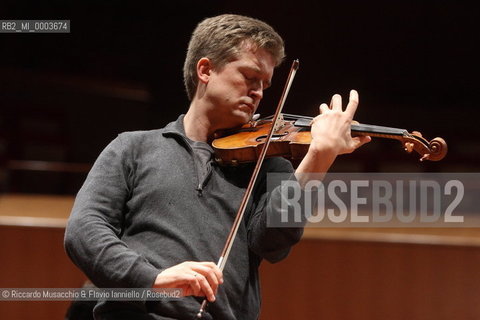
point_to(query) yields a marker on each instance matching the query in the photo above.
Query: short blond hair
(220, 38)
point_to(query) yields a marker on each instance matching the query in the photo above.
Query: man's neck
(198, 126)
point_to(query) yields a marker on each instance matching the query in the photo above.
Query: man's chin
(242, 116)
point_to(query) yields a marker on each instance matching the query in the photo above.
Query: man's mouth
(250, 106)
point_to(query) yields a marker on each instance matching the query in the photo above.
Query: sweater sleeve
(92, 236)
(273, 243)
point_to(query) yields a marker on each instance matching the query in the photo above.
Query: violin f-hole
(275, 136)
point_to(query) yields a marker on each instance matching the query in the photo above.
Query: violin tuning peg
(408, 146)
(426, 156)
(417, 133)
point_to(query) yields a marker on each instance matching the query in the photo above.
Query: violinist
(155, 208)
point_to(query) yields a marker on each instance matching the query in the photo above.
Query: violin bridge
(253, 122)
(280, 123)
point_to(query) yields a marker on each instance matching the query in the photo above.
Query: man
(155, 209)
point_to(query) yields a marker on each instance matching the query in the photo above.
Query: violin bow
(243, 205)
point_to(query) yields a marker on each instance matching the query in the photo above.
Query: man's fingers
(204, 285)
(360, 141)
(352, 103)
(209, 275)
(195, 286)
(196, 278)
(215, 269)
(336, 102)
(323, 108)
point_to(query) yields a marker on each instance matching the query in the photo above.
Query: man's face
(237, 88)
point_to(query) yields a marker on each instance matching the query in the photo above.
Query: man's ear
(204, 69)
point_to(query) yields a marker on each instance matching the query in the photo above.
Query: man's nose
(257, 91)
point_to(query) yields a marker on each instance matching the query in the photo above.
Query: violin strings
(289, 115)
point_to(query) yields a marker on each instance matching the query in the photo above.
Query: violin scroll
(438, 148)
(433, 150)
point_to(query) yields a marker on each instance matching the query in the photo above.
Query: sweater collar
(175, 128)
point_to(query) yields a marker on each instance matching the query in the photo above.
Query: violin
(291, 139)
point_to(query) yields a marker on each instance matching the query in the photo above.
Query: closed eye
(248, 77)
(251, 75)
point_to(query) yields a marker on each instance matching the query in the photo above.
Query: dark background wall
(63, 97)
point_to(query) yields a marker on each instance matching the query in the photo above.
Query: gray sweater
(145, 206)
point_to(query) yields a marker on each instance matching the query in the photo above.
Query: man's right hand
(194, 278)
